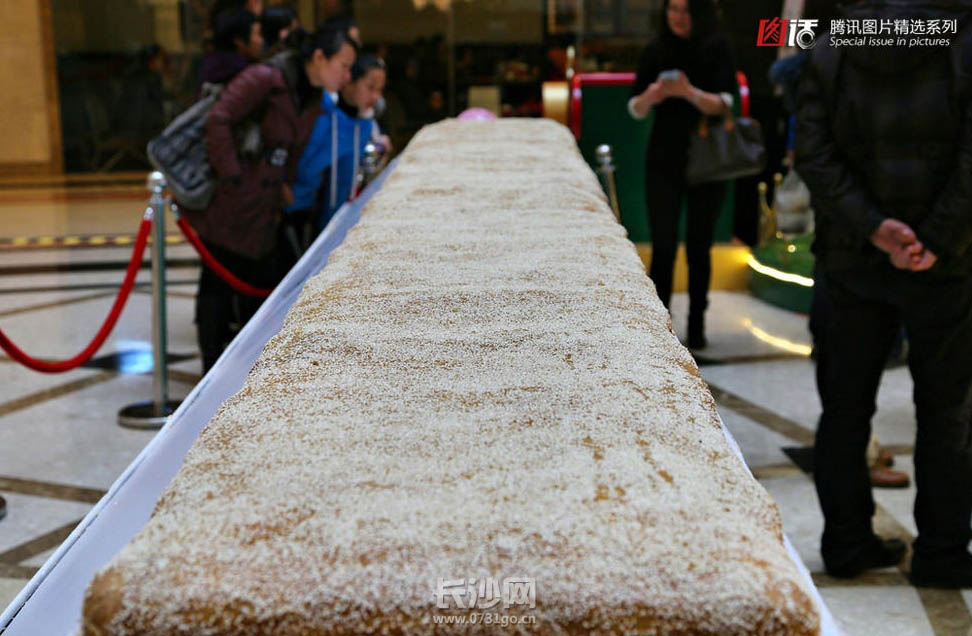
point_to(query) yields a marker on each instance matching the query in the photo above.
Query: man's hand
(904, 256)
(899, 241)
(925, 260)
(893, 234)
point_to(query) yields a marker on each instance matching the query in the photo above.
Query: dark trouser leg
(214, 313)
(220, 311)
(938, 318)
(292, 241)
(704, 205)
(263, 272)
(664, 197)
(745, 213)
(819, 312)
(852, 346)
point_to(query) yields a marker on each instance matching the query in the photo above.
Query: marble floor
(60, 446)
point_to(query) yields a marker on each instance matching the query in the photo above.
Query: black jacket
(709, 65)
(886, 132)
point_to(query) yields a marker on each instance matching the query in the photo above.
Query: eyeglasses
(678, 10)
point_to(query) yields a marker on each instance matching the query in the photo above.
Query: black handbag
(733, 148)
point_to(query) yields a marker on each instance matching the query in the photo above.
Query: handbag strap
(728, 122)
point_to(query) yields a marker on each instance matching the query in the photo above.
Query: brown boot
(884, 477)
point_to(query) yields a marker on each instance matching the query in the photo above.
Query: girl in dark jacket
(687, 73)
(281, 100)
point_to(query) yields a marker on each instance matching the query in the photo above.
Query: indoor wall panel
(29, 124)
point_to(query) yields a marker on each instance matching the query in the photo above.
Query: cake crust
(481, 386)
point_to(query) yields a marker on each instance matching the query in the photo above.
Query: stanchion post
(606, 169)
(160, 381)
(768, 227)
(152, 415)
(370, 163)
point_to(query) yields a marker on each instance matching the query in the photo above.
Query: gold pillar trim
(555, 100)
(55, 164)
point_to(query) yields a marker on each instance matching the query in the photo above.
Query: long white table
(51, 602)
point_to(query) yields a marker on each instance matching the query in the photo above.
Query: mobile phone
(670, 75)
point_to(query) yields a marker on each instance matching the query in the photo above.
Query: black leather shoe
(953, 572)
(881, 553)
(3, 507)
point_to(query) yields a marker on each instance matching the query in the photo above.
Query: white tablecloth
(51, 603)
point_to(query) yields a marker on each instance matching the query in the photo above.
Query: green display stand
(605, 120)
(784, 256)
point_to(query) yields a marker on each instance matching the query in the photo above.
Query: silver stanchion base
(142, 415)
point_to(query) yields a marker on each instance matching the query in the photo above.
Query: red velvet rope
(210, 262)
(743, 93)
(66, 365)
(574, 111)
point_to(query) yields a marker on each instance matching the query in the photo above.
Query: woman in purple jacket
(255, 133)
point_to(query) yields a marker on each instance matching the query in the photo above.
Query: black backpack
(180, 153)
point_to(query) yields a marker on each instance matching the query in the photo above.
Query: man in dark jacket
(884, 141)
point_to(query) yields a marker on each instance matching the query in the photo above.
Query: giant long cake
(476, 415)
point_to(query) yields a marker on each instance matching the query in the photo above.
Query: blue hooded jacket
(336, 138)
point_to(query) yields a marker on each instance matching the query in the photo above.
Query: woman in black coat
(686, 73)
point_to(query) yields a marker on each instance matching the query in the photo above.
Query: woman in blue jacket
(326, 171)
